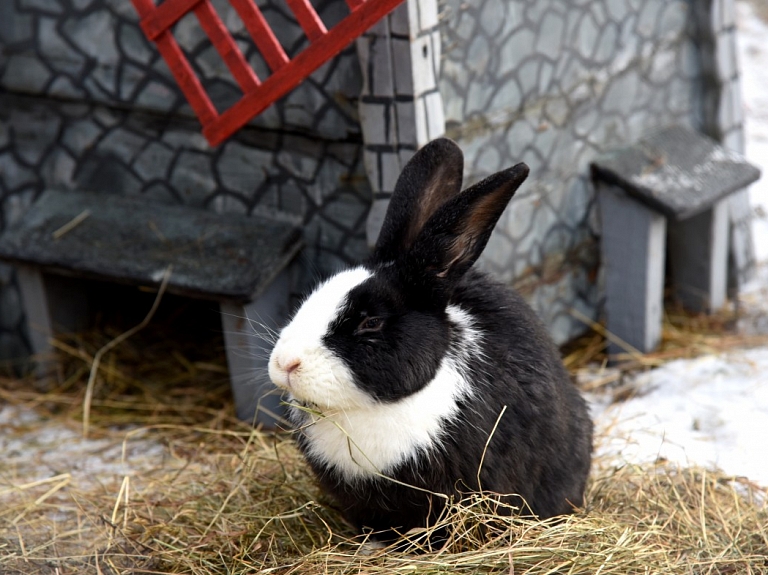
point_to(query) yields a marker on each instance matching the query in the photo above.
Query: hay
(238, 502)
(175, 484)
(684, 335)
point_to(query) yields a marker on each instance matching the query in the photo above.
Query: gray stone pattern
(555, 83)
(87, 104)
(724, 121)
(724, 118)
(401, 107)
(94, 50)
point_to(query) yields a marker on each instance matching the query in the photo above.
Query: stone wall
(401, 108)
(554, 83)
(87, 103)
(724, 119)
(94, 50)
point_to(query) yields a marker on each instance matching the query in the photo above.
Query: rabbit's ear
(455, 236)
(428, 180)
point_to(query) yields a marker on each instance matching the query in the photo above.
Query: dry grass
(685, 335)
(181, 486)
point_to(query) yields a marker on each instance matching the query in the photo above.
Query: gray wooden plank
(129, 239)
(36, 309)
(698, 253)
(676, 171)
(249, 330)
(633, 239)
(742, 249)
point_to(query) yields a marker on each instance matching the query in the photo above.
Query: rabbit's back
(541, 446)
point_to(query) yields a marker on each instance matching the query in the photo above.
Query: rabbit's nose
(290, 365)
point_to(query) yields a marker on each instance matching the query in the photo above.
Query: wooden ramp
(258, 94)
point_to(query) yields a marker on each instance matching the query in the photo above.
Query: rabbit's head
(379, 333)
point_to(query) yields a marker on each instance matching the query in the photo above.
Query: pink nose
(291, 365)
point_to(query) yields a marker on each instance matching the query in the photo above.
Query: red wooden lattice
(156, 22)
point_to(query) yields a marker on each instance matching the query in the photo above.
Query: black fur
(542, 447)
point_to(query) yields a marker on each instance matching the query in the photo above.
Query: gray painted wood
(239, 261)
(248, 334)
(698, 253)
(742, 249)
(131, 240)
(682, 175)
(677, 171)
(633, 257)
(37, 311)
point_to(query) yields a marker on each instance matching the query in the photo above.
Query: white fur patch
(371, 438)
(322, 378)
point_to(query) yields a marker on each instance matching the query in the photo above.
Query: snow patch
(710, 411)
(34, 449)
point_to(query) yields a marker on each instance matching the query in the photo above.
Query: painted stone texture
(554, 83)
(86, 103)
(95, 51)
(725, 121)
(401, 108)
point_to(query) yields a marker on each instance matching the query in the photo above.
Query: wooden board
(127, 239)
(677, 172)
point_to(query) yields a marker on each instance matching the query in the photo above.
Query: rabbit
(397, 371)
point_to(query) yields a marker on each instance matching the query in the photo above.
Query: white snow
(711, 411)
(38, 449)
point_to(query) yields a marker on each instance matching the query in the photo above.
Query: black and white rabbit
(400, 368)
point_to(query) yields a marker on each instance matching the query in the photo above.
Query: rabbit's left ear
(456, 234)
(429, 179)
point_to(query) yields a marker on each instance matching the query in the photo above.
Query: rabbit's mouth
(283, 381)
(288, 385)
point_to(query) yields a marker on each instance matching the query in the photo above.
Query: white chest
(371, 441)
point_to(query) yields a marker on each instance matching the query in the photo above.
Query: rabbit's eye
(370, 325)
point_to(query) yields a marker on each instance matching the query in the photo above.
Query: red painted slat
(226, 46)
(308, 19)
(143, 7)
(186, 79)
(290, 76)
(156, 22)
(261, 33)
(164, 16)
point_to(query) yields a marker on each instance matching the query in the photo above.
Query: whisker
(267, 332)
(262, 355)
(267, 338)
